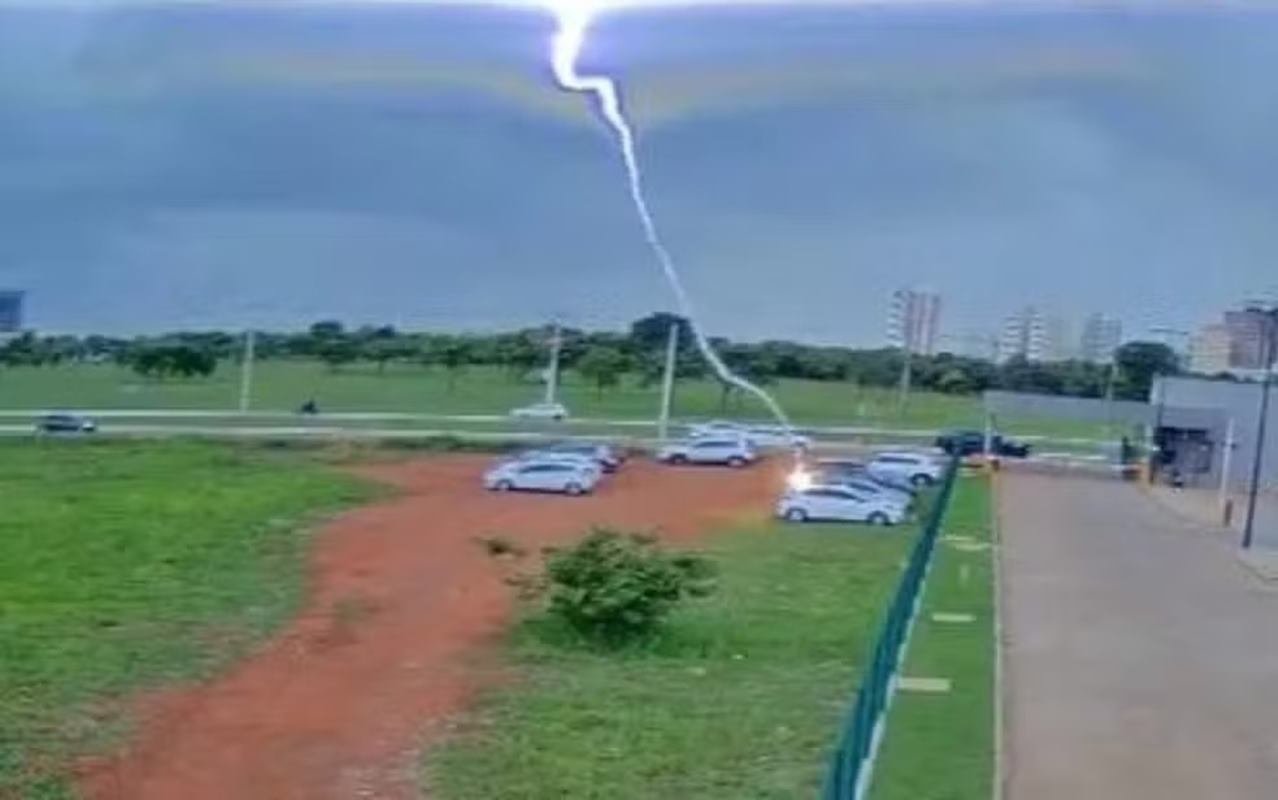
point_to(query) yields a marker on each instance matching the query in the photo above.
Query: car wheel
(796, 515)
(736, 462)
(921, 480)
(879, 518)
(504, 486)
(678, 459)
(574, 489)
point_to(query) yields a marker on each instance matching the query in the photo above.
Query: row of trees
(604, 357)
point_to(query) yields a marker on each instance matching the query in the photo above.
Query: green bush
(615, 589)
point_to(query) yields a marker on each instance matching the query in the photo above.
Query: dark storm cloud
(238, 166)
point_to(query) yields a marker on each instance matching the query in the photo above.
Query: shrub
(615, 589)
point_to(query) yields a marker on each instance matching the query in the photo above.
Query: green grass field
(281, 386)
(125, 565)
(941, 746)
(741, 697)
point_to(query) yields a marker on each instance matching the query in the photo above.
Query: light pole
(1270, 334)
(246, 371)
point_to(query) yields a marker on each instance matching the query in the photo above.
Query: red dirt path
(402, 606)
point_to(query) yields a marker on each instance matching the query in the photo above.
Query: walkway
(1141, 657)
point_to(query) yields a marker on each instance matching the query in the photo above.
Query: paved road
(1141, 658)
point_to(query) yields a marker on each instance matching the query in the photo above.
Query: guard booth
(1119, 438)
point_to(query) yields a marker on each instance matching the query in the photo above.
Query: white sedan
(761, 436)
(541, 476)
(906, 470)
(837, 503)
(733, 452)
(555, 411)
(579, 460)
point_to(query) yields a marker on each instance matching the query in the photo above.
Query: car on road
(552, 411)
(734, 452)
(608, 457)
(65, 423)
(838, 503)
(904, 470)
(972, 442)
(542, 475)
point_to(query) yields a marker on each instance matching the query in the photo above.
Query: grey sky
(225, 166)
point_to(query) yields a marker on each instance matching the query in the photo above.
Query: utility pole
(246, 371)
(1271, 333)
(552, 376)
(1226, 466)
(667, 383)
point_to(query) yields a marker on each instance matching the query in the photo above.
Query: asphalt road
(1141, 659)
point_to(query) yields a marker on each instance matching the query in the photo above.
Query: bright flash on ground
(799, 479)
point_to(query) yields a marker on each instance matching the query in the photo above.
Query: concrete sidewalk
(1141, 656)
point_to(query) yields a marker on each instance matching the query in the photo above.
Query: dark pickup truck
(970, 443)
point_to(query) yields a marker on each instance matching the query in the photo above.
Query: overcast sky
(200, 166)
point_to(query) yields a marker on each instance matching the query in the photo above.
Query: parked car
(864, 484)
(582, 460)
(766, 436)
(65, 423)
(904, 470)
(838, 503)
(971, 442)
(607, 456)
(759, 436)
(555, 411)
(542, 476)
(731, 451)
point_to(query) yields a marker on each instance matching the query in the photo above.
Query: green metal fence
(848, 770)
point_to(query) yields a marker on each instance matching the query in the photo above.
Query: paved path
(1141, 657)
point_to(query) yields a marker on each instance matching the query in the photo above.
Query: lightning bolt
(574, 22)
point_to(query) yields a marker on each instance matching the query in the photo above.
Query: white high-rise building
(1030, 334)
(1101, 336)
(914, 319)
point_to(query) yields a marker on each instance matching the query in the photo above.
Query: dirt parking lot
(397, 633)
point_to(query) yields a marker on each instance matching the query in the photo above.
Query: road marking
(953, 618)
(924, 685)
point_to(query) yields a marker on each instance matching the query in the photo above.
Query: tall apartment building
(1101, 336)
(1247, 332)
(1029, 334)
(914, 319)
(1209, 349)
(11, 310)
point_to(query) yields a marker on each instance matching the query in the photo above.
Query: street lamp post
(1270, 334)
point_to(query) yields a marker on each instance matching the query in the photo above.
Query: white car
(581, 460)
(865, 485)
(776, 436)
(730, 451)
(838, 503)
(607, 456)
(541, 476)
(761, 436)
(904, 469)
(555, 411)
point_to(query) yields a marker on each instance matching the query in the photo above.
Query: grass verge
(739, 697)
(941, 746)
(127, 564)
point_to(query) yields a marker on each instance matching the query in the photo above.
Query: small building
(1222, 411)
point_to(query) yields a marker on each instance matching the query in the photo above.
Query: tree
(1138, 364)
(337, 351)
(651, 332)
(603, 366)
(453, 353)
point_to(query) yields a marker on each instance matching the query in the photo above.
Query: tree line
(603, 358)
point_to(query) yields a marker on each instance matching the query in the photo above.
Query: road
(1141, 659)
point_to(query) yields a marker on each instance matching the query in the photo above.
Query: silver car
(730, 451)
(541, 476)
